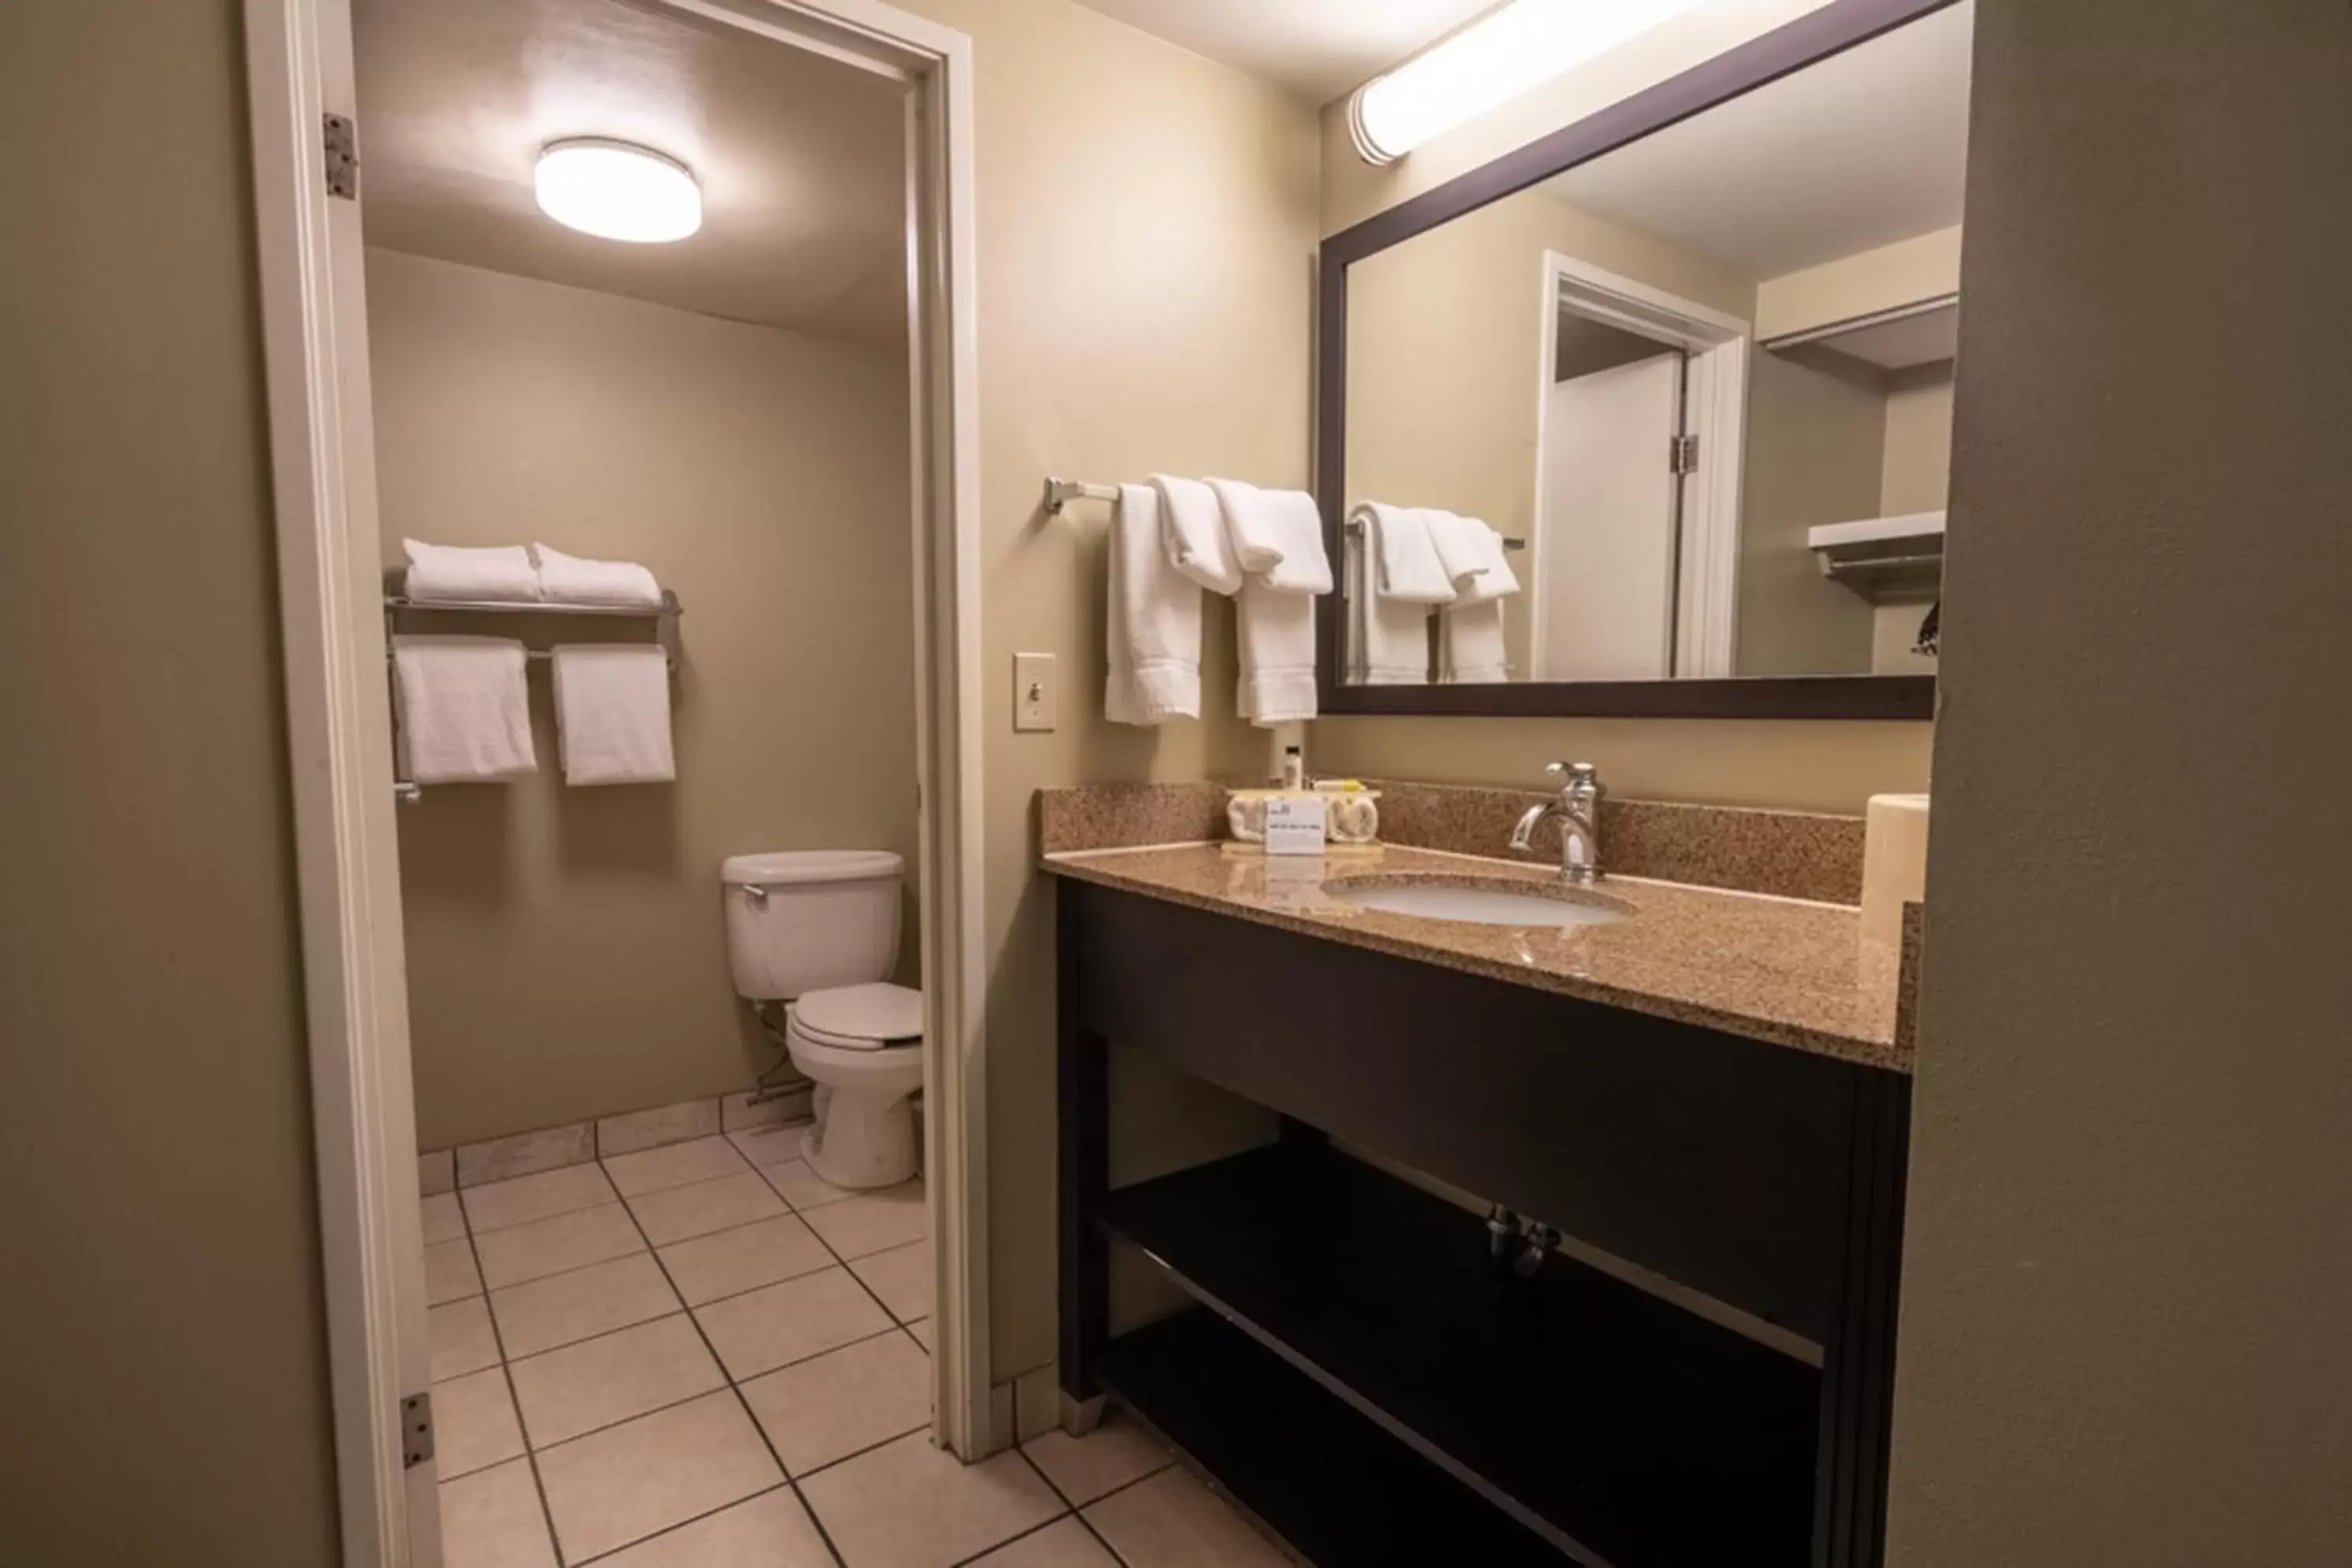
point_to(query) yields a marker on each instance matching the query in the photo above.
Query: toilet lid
(862, 1017)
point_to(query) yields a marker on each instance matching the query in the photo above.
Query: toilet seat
(872, 1017)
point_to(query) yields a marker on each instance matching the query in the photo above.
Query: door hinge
(416, 1430)
(343, 157)
(1682, 453)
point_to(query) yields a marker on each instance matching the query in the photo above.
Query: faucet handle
(1575, 772)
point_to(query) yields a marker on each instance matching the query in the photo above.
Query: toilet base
(856, 1142)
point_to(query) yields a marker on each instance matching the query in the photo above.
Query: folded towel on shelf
(1277, 535)
(570, 580)
(1470, 644)
(449, 574)
(612, 713)
(465, 714)
(1397, 579)
(1192, 525)
(1154, 622)
(1473, 557)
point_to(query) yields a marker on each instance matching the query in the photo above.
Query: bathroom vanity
(1705, 1094)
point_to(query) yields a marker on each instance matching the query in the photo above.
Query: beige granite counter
(1781, 970)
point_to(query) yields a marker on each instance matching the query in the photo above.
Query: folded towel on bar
(1392, 550)
(465, 714)
(1473, 557)
(449, 574)
(612, 713)
(1154, 621)
(1192, 524)
(570, 580)
(1278, 536)
(1278, 539)
(1470, 644)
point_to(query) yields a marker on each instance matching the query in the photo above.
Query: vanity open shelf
(1610, 1425)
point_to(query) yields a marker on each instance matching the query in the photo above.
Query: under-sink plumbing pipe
(1502, 1224)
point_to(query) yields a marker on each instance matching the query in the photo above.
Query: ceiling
(1313, 49)
(800, 157)
(1858, 151)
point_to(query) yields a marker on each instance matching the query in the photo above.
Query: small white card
(1295, 824)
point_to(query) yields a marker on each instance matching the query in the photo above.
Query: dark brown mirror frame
(1810, 39)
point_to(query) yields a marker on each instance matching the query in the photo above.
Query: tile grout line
(1078, 1510)
(514, 1400)
(783, 1486)
(736, 1389)
(843, 1263)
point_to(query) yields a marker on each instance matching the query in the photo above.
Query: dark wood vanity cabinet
(1364, 1376)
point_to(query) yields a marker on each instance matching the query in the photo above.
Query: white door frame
(1716, 405)
(339, 723)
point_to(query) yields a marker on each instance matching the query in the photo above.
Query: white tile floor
(703, 1354)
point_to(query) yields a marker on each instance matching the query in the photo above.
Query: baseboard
(577, 1143)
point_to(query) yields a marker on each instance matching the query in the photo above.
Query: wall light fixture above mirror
(1696, 351)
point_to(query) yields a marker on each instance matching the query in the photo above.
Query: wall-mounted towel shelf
(665, 619)
(397, 604)
(1883, 558)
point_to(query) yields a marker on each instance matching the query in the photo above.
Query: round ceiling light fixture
(617, 189)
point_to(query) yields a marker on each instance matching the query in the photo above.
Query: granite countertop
(1786, 970)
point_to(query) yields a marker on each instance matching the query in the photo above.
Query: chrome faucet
(1579, 810)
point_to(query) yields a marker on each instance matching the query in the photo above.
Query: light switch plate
(1036, 695)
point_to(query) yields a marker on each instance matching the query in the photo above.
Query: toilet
(819, 929)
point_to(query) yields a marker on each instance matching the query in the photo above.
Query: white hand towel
(570, 580)
(1470, 642)
(1193, 525)
(464, 715)
(612, 713)
(1278, 536)
(1154, 620)
(1277, 636)
(1397, 578)
(447, 574)
(1473, 557)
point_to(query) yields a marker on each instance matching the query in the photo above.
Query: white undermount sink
(1492, 904)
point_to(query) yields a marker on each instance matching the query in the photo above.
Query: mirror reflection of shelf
(1924, 332)
(1883, 558)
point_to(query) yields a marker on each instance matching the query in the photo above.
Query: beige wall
(2129, 1247)
(1917, 478)
(164, 1374)
(567, 947)
(1816, 451)
(1147, 238)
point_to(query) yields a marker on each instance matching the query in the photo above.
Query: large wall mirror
(1683, 373)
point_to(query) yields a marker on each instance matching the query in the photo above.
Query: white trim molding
(322, 458)
(1715, 410)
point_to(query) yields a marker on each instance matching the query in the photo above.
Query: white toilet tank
(804, 920)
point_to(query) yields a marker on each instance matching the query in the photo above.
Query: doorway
(309, 117)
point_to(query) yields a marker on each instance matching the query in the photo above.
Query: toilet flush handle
(757, 894)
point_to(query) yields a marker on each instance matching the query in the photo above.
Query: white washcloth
(570, 580)
(1193, 526)
(1391, 633)
(1278, 536)
(612, 713)
(1154, 620)
(464, 715)
(1470, 644)
(1473, 557)
(447, 574)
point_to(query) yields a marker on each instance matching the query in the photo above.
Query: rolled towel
(1192, 526)
(449, 574)
(1401, 577)
(464, 715)
(1278, 536)
(1154, 620)
(571, 579)
(612, 713)
(1473, 557)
